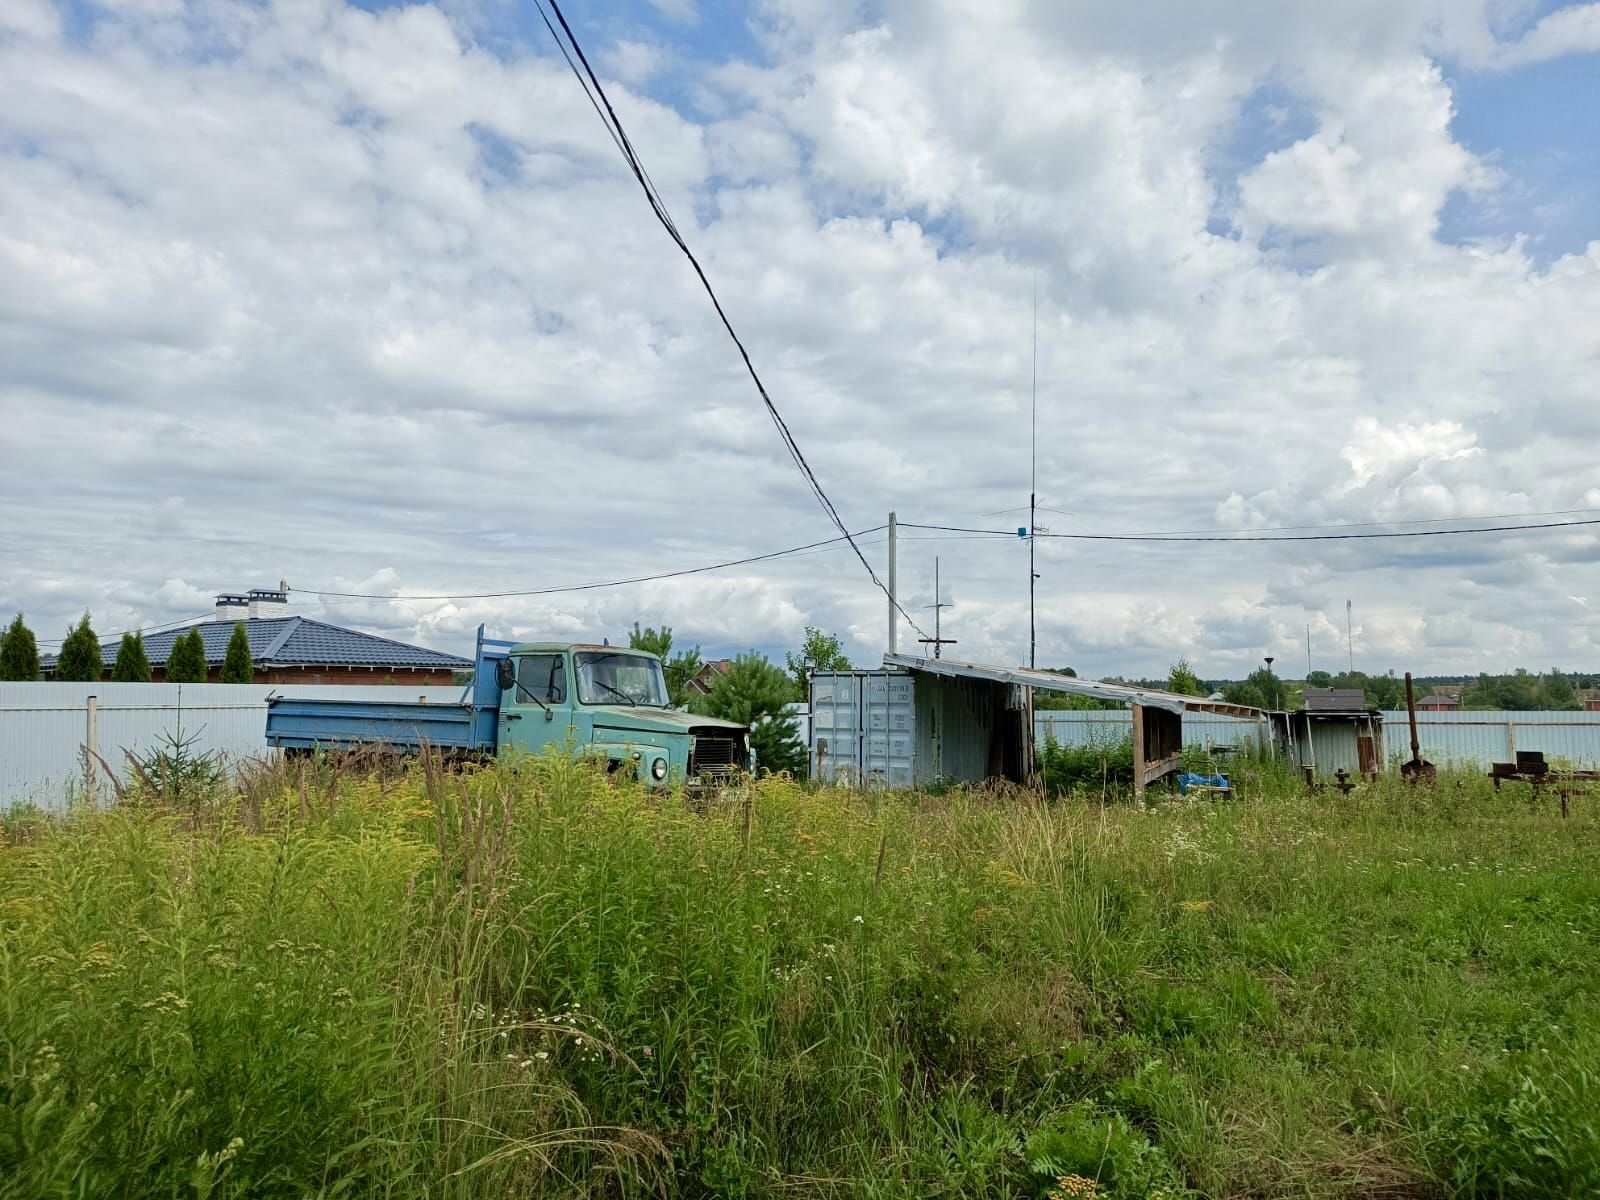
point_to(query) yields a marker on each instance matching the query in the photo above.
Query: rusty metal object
(1531, 768)
(1345, 784)
(1418, 770)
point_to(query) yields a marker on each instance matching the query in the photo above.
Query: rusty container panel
(955, 728)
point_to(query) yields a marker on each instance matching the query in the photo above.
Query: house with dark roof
(295, 649)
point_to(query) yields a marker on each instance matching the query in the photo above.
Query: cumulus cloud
(366, 301)
(1571, 30)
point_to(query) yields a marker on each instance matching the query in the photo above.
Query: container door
(836, 728)
(888, 706)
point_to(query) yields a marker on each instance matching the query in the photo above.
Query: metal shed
(1327, 740)
(919, 721)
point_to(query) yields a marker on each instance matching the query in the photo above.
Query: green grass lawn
(527, 982)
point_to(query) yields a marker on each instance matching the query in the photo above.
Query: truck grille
(713, 753)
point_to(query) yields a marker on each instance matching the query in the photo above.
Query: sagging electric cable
(619, 136)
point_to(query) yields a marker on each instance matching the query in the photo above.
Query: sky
(362, 298)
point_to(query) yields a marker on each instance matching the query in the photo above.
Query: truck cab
(611, 703)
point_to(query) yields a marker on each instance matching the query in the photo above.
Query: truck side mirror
(505, 673)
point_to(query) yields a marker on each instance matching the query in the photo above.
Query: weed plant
(530, 980)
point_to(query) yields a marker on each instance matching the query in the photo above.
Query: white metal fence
(1476, 739)
(1470, 740)
(45, 726)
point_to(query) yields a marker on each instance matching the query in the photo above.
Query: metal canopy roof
(1049, 681)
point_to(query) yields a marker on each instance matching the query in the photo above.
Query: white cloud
(684, 11)
(31, 18)
(1571, 30)
(634, 63)
(347, 298)
(1378, 171)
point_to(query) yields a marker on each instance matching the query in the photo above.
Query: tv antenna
(936, 640)
(1033, 482)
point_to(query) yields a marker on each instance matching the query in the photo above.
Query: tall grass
(529, 981)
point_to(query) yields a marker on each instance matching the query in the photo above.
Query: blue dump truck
(599, 702)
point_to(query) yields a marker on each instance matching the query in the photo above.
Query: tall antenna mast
(938, 642)
(1033, 481)
(1349, 637)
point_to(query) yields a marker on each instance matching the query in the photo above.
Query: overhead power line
(1343, 525)
(598, 99)
(1247, 537)
(597, 586)
(105, 637)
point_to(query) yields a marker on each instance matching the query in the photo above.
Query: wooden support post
(1138, 752)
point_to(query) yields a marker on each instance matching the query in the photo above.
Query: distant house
(1440, 702)
(706, 678)
(293, 649)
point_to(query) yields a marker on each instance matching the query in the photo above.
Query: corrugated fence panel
(1089, 727)
(1476, 739)
(43, 725)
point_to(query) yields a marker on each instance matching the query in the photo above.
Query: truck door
(536, 711)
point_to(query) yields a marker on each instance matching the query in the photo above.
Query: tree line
(1264, 688)
(80, 660)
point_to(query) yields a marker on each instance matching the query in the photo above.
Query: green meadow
(527, 981)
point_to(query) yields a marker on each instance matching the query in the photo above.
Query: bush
(132, 665)
(1090, 767)
(79, 660)
(186, 661)
(236, 665)
(1086, 1145)
(19, 652)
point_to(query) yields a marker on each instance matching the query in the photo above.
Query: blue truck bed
(309, 724)
(471, 725)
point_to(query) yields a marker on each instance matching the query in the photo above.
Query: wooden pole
(1138, 752)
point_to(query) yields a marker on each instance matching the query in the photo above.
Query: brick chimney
(269, 602)
(232, 606)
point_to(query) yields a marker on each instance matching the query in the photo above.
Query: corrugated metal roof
(294, 641)
(1335, 700)
(1051, 682)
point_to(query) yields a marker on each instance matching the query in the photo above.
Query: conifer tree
(236, 665)
(132, 665)
(19, 652)
(79, 660)
(186, 662)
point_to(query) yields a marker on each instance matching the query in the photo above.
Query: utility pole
(938, 603)
(1033, 483)
(1308, 649)
(894, 624)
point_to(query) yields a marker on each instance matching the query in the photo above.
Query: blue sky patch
(1541, 126)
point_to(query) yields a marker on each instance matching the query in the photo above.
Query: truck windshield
(610, 677)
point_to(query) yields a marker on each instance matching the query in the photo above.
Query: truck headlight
(658, 769)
